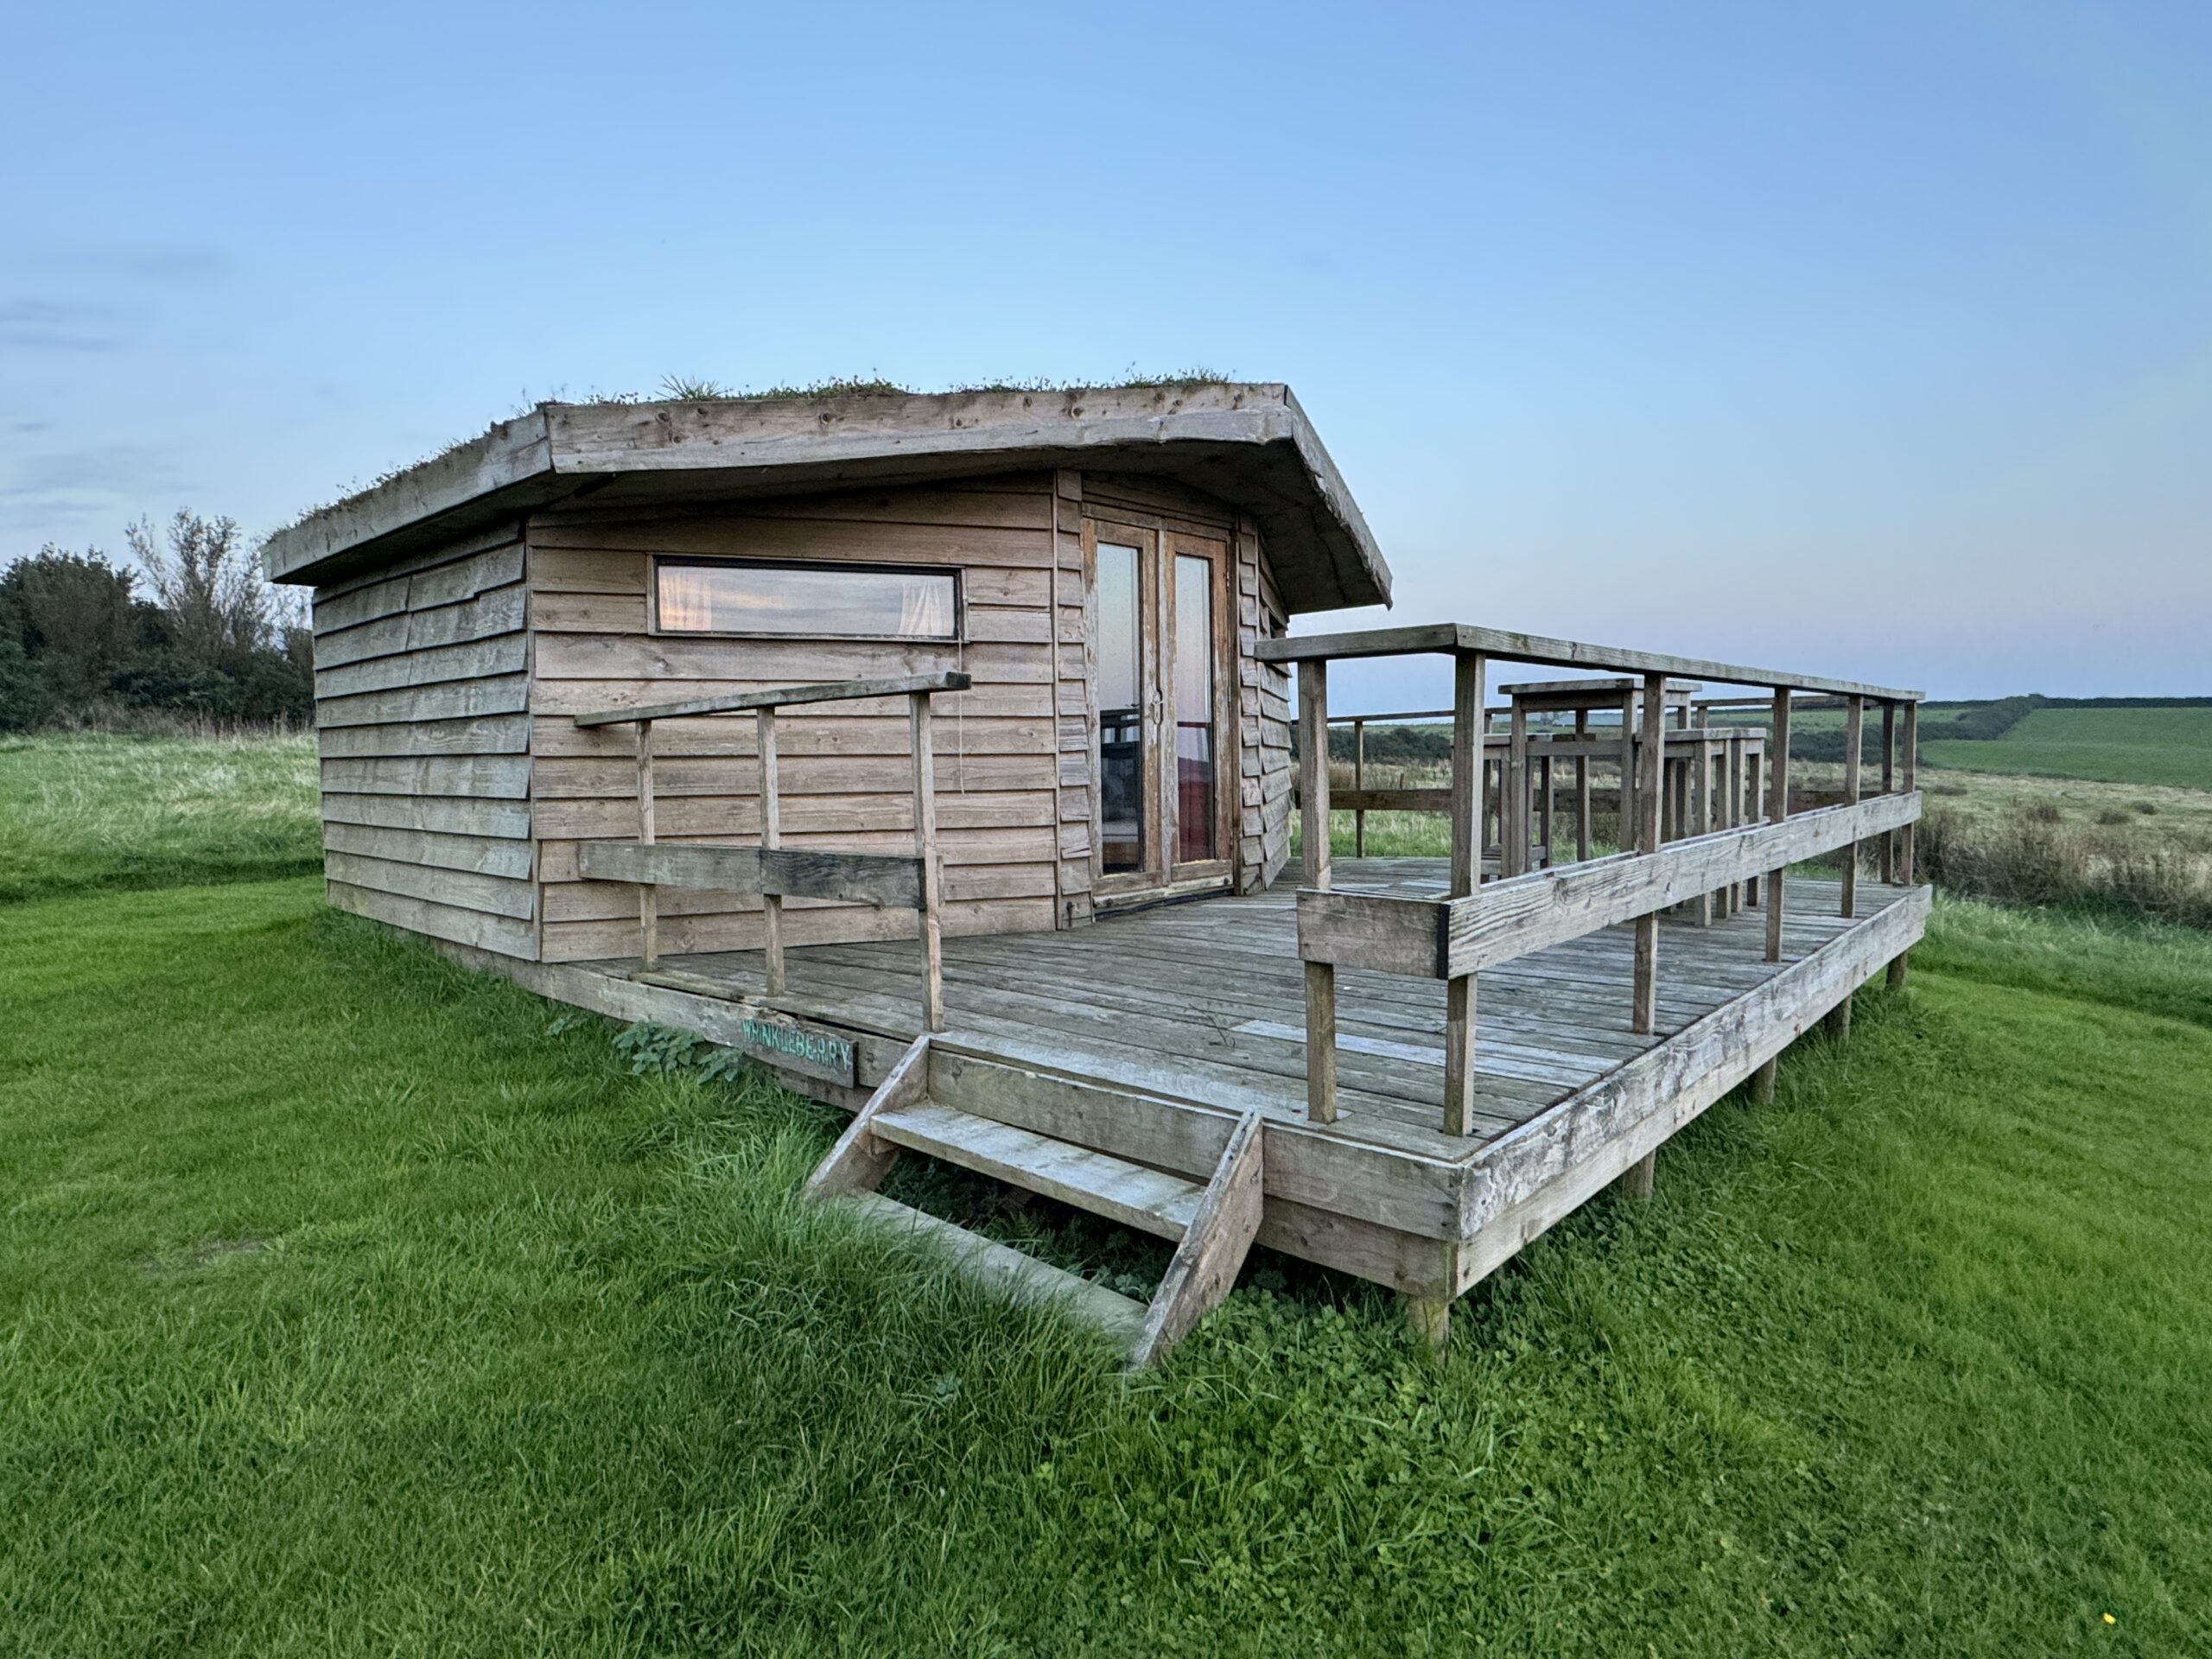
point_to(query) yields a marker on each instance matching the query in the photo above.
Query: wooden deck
(1204, 1001)
(1149, 1037)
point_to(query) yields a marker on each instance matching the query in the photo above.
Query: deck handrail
(770, 870)
(1721, 852)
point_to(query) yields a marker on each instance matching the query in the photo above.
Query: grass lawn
(107, 812)
(2119, 745)
(349, 1303)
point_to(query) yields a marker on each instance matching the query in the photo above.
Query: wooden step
(1007, 1272)
(1113, 1187)
(1214, 1223)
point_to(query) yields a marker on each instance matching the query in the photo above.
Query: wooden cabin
(937, 752)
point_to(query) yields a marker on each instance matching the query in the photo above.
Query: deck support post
(1762, 1082)
(1909, 776)
(1854, 737)
(1637, 1180)
(1778, 810)
(1582, 787)
(920, 720)
(1428, 1317)
(1650, 799)
(1893, 975)
(648, 895)
(772, 836)
(1467, 769)
(1836, 1022)
(1313, 830)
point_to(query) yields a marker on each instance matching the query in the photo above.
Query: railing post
(1754, 794)
(1889, 784)
(1854, 738)
(1544, 808)
(1582, 787)
(1360, 782)
(1731, 899)
(648, 895)
(1313, 828)
(1625, 830)
(1650, 798)
(1467, 770)
(1701, 819)
(1778, 810)
(1909, 776)
(772, 836)
(919, 719)
(1513, 844)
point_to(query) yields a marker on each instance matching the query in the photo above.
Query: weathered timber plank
(880, 879)
(783, 697)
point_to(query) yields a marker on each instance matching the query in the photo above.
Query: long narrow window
(815, 601)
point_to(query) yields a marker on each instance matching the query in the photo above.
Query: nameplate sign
(811, 1050)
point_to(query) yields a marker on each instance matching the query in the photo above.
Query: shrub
(2112, 815)
(2031, 858)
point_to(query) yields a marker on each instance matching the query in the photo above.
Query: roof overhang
(1250, 446)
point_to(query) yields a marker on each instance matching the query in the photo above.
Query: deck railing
(1481, 925)
(771, 871)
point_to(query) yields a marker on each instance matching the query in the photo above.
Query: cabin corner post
(1651, 800)
(1777, 810)
(920, 719)
(1313, 830)
(1468, 670)
(1854, 735)
(648, 895)
(772, 836)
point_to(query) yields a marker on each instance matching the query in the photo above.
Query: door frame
(1158, 541)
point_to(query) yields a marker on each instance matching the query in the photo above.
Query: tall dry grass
(2035, 858)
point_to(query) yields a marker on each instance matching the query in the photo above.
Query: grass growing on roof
(356, 1304)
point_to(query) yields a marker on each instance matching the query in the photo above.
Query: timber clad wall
(421, 710)
(456, 788)
(844, 769)
(1263, 720)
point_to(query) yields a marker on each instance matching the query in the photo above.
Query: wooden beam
(1909, 774)
(1582, 789)
(926, 853)
(1391, 800)
(1854, 737)
(1358, 782)
(858, 1162)
(1446, 637)
(1888, 782)
(1460, 993)
(1213, 1247)
(1650, 798)
(1438, 938)
(890, 881)
(781, 697)
(1313, 831)
(1777, 812)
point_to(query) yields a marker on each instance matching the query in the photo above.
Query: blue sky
(1869, 338)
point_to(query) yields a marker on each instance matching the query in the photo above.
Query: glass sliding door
(1123, 845)
(1160, 643)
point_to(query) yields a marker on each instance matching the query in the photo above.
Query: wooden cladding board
(1263, 762)
(845, 877)
(844, 770)
(422, 706)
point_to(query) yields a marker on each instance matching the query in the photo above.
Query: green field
(356, 1304)
(2119, 745)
